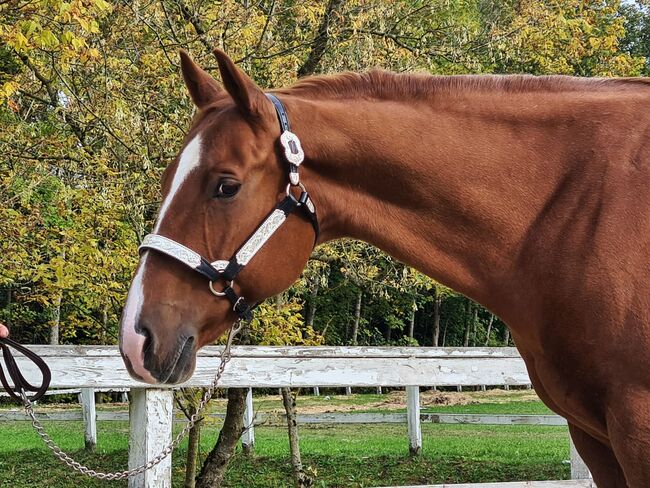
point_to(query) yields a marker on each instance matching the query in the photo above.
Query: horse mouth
(181, 367)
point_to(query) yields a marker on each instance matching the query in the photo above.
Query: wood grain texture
(252, 366)
(151, 413)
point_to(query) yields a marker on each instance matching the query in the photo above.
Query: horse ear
(202, 87)
(246, 94)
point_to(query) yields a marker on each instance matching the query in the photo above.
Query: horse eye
(227, 189)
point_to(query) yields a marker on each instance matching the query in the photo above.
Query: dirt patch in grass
(392, 401)
(397, 400)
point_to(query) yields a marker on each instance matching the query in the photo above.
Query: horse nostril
(189, 346)
(148, 338)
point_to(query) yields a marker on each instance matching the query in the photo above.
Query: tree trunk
(311, 313)
(192, 454)
(8, 321)
(357, 318)
(214, 467)
(468, 323)
(506, 337)
(444, 334)
(414, 306)
(474, 326)
(104, 324)
(489, 329)
(300, 478)
(436, 316)
(54, 331)
(319, 44)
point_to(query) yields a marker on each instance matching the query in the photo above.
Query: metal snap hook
(236, 304)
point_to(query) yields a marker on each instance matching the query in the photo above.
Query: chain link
(120, 475)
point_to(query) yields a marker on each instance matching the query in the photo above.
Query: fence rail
(261, 418)
(151, 409)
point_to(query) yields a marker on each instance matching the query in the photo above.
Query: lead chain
(120, 475)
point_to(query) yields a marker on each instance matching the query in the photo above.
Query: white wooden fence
(151, 409)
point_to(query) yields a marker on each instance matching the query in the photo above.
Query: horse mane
(381, 84)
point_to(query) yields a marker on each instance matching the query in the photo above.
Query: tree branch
(193, 19)
(319, 44)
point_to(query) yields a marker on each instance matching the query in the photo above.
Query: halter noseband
(228, 270)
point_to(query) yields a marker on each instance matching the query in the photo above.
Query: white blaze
(132, 342)
(189, 160)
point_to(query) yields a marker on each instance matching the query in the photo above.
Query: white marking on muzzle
(132, 343)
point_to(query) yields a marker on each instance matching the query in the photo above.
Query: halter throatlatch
(228, 270)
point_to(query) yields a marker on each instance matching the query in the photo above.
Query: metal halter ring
(289, 185)
(219, 293)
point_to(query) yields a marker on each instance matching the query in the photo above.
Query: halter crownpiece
(290, 142)
(228, 270)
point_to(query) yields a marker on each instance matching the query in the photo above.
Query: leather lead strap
(20, 384)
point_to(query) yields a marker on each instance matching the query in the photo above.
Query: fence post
(413, 416)
(248, 437)
(579, 470)
(150, 417)
(316, 391)
(87, 397)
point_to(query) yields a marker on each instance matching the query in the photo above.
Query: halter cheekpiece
(228, 270)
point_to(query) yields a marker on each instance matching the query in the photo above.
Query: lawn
(339, 455)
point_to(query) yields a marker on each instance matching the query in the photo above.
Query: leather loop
(239, 305)
(20, 383)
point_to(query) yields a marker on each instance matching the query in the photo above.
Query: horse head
(226, 235)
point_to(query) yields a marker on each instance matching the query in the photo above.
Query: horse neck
(444, 186)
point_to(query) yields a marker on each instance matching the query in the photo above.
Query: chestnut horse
(528, 194)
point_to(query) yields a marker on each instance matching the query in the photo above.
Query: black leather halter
(228, 270)
(20, 385)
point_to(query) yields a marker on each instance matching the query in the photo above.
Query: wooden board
(316, 418)
(254, 366)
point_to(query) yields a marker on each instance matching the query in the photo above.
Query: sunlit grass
(339, 455)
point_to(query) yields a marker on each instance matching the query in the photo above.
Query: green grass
(514, 408)
(339, 455)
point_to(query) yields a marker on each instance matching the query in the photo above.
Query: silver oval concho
(293, 152)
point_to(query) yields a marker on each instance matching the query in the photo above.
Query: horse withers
(527, 194)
